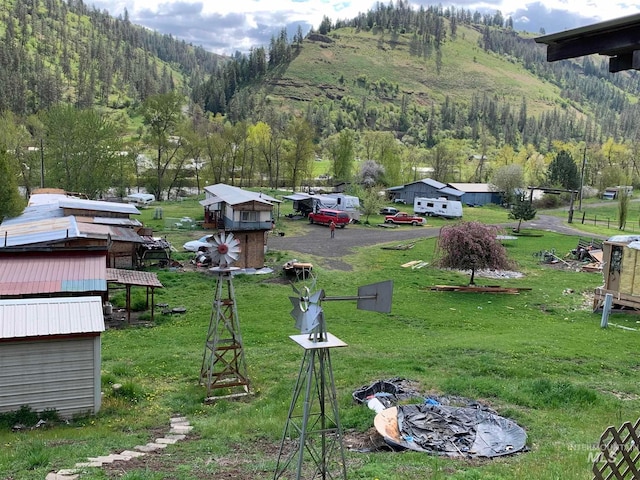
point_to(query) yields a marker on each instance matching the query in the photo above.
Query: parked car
(388, 211)
(325, 216)
(404, 218)
(197, 245)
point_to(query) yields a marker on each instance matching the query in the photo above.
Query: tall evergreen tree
(563, 171)
(11, 202)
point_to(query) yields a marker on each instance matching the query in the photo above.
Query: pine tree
(522, 210)
(11, 203)
(563, 171)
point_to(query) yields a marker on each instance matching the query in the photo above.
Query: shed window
(248, 216)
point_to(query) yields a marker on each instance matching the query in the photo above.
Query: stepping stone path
(179, 428)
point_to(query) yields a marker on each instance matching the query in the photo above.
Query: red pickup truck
(325, 216)
(405, 219)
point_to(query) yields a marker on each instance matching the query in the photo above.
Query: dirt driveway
(316, 239)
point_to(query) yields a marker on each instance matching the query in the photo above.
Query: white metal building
(50, 354)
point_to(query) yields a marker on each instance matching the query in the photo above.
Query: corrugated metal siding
(51, 374)
(36, 317)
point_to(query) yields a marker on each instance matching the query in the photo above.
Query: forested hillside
(434, 73)
(95, 104)
(54, 51)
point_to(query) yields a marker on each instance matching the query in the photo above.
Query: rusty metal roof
(37, 317)
(120, 234)
(133, 277)
(116, 221)
(44, 273)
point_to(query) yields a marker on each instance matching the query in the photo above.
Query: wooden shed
(248, 215)
(50, 354)
(621, 272)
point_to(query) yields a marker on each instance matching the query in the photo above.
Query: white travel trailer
(306, 203)
(345, 203)
(437, 207)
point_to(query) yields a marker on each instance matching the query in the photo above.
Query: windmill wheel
(225, 249)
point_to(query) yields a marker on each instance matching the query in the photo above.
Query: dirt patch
(246, 461)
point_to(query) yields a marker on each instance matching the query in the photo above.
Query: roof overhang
(618, 39)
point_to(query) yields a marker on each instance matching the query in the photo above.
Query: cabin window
(444, 205)
(430, 205)
(248, 216)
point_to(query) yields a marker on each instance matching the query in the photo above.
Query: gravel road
(316, 239)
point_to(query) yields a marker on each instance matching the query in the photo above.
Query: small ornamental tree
(471, 246)
(623, 207)
(370, 202)
(522, 210)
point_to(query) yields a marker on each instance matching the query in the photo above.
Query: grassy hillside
(354, 60)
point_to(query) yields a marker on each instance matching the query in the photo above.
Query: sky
(230, 26)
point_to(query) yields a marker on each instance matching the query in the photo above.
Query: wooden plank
(479, 289)
(411, 263)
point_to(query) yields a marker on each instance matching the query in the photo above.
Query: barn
(50, 354)
(426, 187)
(476, 194)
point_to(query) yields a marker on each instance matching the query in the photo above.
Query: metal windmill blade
(307, 311)
(225, 249)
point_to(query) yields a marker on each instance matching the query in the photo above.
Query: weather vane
(310, 419)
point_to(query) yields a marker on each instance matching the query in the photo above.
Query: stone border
(179, 428)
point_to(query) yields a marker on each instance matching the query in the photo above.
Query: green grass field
(539, 358)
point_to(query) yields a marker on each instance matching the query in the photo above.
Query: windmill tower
(315, 420)
(224, 369)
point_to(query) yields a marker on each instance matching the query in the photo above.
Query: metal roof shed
(50, 354)
(130, 278)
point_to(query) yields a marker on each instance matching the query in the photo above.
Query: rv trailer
(437, 207)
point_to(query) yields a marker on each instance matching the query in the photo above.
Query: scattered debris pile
(586, 257)
(439, 425)
(299, 270)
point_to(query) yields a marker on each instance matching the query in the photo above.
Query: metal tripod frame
(223, 362)
(316, 422)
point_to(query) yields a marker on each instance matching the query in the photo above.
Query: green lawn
(539, 357)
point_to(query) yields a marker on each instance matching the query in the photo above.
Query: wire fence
(610, 223)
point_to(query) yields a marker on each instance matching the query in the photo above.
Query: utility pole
(584, 162)
(41, 164)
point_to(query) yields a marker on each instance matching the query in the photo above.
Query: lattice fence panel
(619, 455)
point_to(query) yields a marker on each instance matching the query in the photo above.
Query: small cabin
(248, 215)
(621, 272)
